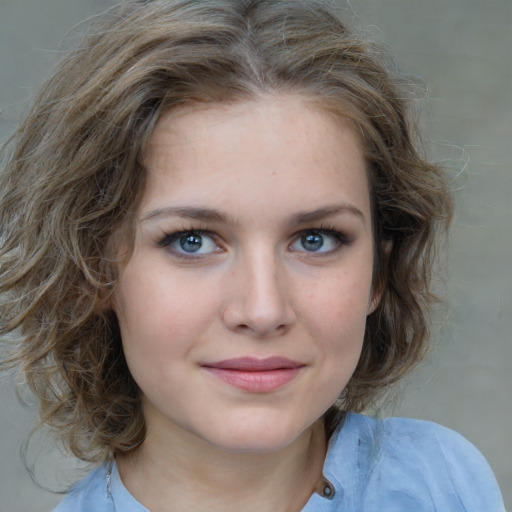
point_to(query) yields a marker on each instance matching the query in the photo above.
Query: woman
(217, 246)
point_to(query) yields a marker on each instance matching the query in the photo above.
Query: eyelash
(340, 239)
(169, 238)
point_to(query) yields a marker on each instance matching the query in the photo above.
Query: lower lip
(256, 381)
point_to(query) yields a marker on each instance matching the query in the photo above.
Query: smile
(255, 375)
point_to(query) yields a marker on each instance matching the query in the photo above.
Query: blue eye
(190, 243)
(312, 241)
(318, 241)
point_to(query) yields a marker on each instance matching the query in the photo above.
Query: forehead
(281, 147)
(199, 122)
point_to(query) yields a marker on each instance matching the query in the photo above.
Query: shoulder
(89, 494)
(418, 463)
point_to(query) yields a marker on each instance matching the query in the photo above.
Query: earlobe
(105, 295)
(103, 305)
(379, 284)
(374, 301)
(104, 302)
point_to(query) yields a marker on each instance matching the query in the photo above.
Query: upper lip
(254, 364)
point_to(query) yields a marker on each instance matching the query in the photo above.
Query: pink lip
(255, 375)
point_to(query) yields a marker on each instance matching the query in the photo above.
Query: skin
(251, 180)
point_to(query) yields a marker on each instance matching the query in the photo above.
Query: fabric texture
(374, 465)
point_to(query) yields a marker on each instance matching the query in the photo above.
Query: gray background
(462, 48)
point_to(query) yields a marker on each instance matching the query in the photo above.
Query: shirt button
(328, 490)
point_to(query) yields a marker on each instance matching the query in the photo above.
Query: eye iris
(191, 243)
(312, 241)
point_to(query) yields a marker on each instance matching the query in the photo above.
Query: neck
(178, 476)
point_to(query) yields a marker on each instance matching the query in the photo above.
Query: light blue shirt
(391, 465)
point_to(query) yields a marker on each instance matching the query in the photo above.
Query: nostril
(259, 331)
(261, 309)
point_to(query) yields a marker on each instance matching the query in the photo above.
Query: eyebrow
(187, 212)
(209, 214)
(329, 211)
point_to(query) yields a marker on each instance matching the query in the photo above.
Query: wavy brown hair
(73, 177)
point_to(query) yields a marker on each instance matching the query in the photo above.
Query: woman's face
(243, 308)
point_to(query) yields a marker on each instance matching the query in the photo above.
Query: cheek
(336, 321)
(338, 306)
(158, 314)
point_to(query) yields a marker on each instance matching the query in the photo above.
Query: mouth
(255, 375)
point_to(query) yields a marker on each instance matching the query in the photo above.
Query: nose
(258, 300)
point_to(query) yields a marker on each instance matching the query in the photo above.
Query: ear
(104, 302)
(374, 302)
(378, 291)
(121, 252)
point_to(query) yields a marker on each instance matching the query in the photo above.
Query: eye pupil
(312, 241)
(191, 242)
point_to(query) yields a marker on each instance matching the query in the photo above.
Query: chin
(257, 437)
